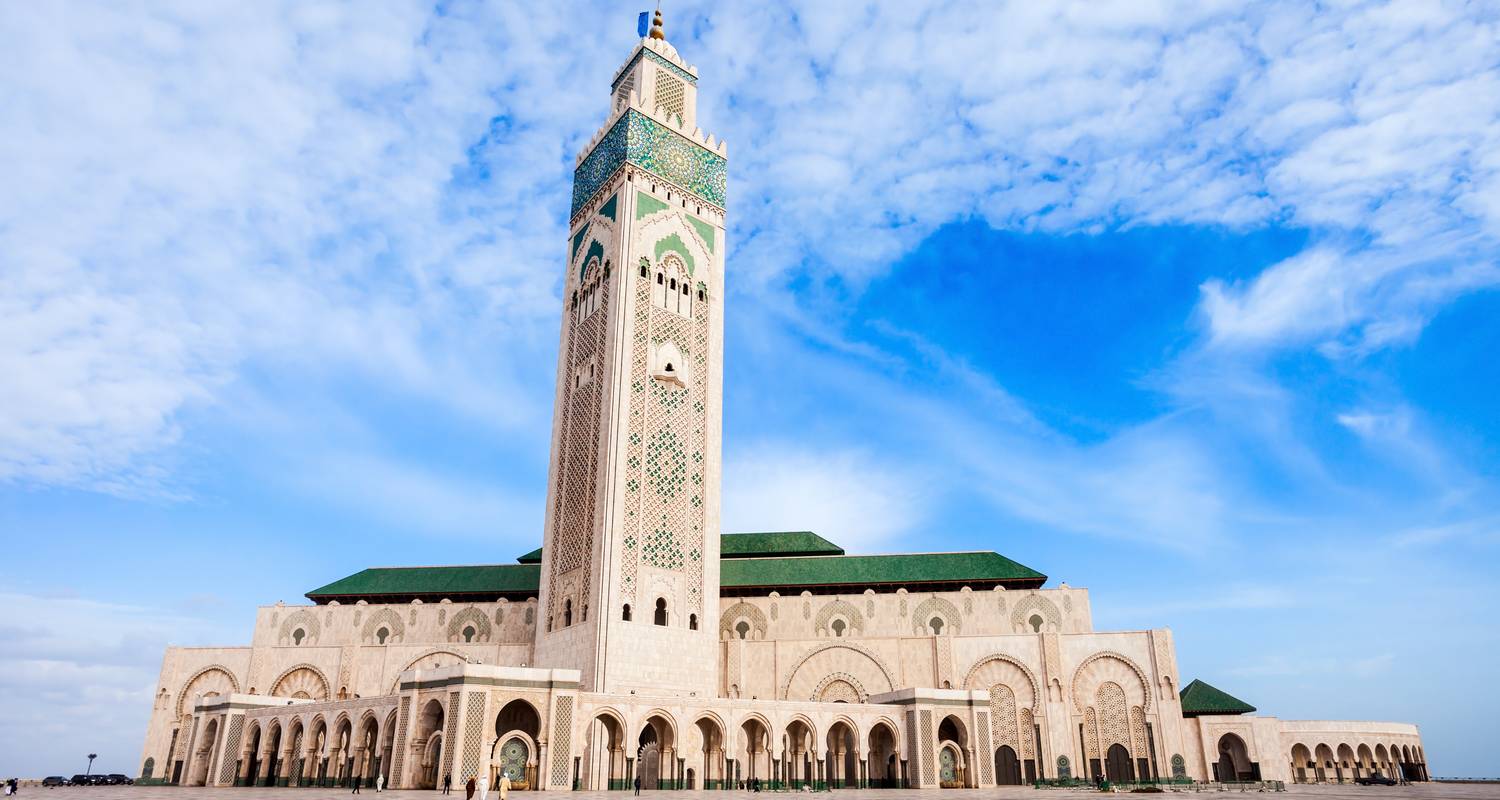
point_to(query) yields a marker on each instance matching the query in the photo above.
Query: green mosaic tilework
(646, 205)
(596, 250)
(578, 242)
(673, 243)
(672, 156)
(662, 549)
(608, 209)
(666, 464)
(655, 147)
(704, 230)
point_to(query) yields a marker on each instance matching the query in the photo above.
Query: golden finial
(656, 31)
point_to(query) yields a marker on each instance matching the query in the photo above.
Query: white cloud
(843, 495)
(195, 187)
(76, 676)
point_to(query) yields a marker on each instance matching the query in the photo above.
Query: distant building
(639, 641)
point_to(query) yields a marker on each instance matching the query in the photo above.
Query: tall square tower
(630, 561)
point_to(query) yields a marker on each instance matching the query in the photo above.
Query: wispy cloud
(847, 496)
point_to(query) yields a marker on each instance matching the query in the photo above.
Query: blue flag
(643, 24)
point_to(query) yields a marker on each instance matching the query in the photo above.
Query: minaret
(630, 566)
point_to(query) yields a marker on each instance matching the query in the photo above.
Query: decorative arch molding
(301, 618)
(880, 664)
(830, 684)
(747, 612)
(182, 694)
(974, 671)
(465, 618)
(417, 663)
(1082, 702)
(812, 730)
(1035, 604)
(737, 734)
(388, 619)
(668, 231)
(838, 608)
(597, 237)
(936, 607)
(304, 678)
(673, 729)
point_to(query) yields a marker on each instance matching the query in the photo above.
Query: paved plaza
(1456, 791)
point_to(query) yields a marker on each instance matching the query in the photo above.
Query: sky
(1193, 304)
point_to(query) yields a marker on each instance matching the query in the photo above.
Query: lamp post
(90, 769)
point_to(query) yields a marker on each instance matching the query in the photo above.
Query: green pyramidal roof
(1200, 699)
(750, 564)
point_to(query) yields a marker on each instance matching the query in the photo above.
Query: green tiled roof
(739, 573)
(779, 543)
(1201, 699)
(982, 568)
(752, 545)
(402, 582)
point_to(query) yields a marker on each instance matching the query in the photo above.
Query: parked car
(116, 779)
(1376, 779)
(56, 780)
(79, 780)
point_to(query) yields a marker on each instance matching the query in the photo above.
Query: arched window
(469, 633)
(585, 616)
(643, 270)
(702, 295)
(1036, 623)
(838, 627)
(625, 615)
(381, 634)
(298, 635)
(567, 613)
(661, 611)
(659, 279)
(672, 284)
(692, 622)
(936, 623)
(743, 629)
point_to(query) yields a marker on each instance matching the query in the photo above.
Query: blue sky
(1190, 304)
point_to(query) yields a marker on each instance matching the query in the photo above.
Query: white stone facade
(629, 661)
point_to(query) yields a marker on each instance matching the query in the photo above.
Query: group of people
(480, 785)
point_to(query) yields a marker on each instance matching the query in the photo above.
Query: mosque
(641, 642)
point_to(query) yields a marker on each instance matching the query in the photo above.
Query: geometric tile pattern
(450, 738)
(474, 730)
(577, 478)
(231, 750)
(562, 740)
(398, 757)
(648, 144)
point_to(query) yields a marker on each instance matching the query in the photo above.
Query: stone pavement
(1451, 791)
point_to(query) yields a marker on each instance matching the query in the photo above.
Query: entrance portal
(1007, 767)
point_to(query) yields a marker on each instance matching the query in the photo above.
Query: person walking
(637, 784)
(448, 783)
(357, 780)
(504, 786)
(469, 788)
(380, 783)
(484, 786)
